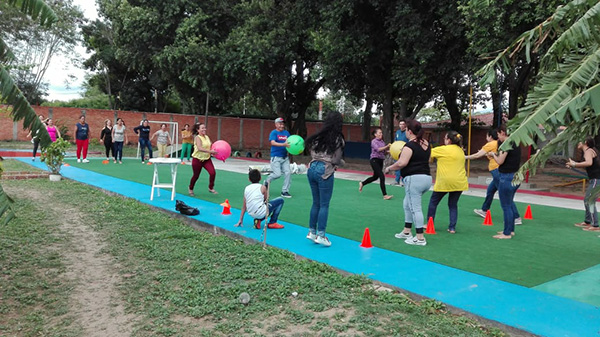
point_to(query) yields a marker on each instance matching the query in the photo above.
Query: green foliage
(54, 154)
(12, 95)
(566, 93)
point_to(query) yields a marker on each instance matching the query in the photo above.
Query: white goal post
(173, 128)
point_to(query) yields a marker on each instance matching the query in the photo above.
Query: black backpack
(185, 209)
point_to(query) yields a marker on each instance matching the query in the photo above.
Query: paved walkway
(528, 309)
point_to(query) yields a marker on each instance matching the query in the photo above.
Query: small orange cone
(488, 219)
(528, 215)
(66, 164)
(226, 207)
(105, 161)
(430, 227)
(366, 241)
(149, 163)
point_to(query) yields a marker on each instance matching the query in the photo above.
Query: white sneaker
(323, 240)
(401, 235)
(79, 160)
(311, 236)
(415, 242)
(518, 221)
(33, 159)
(480, 212)
(85, 161)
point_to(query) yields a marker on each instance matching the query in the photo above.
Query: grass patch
(183, 282)
(11, 165)
(33, 293)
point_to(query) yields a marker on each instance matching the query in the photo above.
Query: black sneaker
(286, 195)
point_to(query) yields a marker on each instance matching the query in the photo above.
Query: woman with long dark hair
(326, 149)
(451, 177)
(378, 151)
(592, 167)
(414, 162)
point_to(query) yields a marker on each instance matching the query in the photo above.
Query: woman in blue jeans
(509, 162)
(326, 149)
(414, 162)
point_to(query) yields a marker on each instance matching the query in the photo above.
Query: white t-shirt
(255, 201)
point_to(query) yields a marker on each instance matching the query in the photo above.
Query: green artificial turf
(545, 248)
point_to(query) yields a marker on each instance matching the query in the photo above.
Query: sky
(60, 67)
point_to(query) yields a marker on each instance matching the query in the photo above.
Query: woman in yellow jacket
(451, 177)
(201, 158)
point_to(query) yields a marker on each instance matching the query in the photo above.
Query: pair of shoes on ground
(274, 225)
(321, 240)
(398, 183)
(410, 240)
(286, 195)
(83, 161)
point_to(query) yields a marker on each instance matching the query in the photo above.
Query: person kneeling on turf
(256, 197)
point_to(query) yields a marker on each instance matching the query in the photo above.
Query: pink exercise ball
(223, 149)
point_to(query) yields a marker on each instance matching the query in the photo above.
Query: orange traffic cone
(366, 241)
(528, 213)
(488, 219)
(105, 161)
(226, 207)
(430, 227)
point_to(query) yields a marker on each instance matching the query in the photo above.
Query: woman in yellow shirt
(187, 142)
(201, 158)
(451, 177)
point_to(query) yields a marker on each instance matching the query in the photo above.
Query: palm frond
(573, 133)
(6, 55)
(579, 34)
(555, 94)
(21, 110)
(533, 39)
(37, 9)
(6, 210)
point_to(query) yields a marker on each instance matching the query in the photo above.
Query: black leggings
(377, 166)
(36, 143)
(109, 149)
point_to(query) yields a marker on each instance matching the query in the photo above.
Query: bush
(54, 154)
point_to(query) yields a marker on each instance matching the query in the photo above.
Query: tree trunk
(387, 119)
(366, 124)
(450, 96)
(496, 106)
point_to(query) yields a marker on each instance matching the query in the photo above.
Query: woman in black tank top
(592, 167)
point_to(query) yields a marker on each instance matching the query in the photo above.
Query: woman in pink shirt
(378, 151)
(52, 130)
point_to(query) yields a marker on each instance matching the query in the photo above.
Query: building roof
(480, 120)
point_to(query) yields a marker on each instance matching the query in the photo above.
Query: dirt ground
(95, 301)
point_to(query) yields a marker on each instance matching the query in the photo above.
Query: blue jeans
(453, 197)
(275, 207)
(415, 186)
(118, 148)
(321, 189)
(507, 191)
(279, 166)
(145, 143)
(491, 190)
(589, 201)
(398, 176)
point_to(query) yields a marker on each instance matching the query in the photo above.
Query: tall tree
(35, 46)
(567, 92)
(10, 93)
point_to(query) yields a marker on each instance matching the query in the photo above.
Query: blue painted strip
(524, 308)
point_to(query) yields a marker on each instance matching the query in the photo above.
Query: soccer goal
(172, 128)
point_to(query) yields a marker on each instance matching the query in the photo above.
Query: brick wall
(241, 133)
